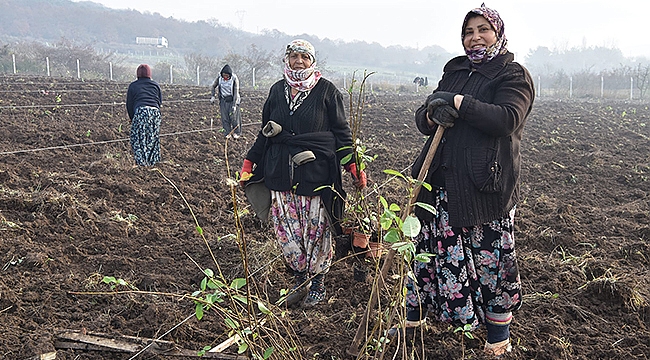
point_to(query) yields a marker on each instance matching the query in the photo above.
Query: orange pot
(360, 239)
(376, 250)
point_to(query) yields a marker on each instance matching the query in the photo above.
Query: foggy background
(572, 48)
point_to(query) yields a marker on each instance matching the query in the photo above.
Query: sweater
(321, 111)
(142, 92)
(479, 157)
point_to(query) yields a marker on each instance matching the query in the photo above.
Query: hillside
(86, 23)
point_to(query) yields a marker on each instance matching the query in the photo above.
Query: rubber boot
(300, 288)
(316, 291)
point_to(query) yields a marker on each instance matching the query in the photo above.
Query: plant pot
(360, 240)
(348, 229)
(376, 251)
(342, 245)
(360, 272)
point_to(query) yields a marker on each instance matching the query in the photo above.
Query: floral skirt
(302, 227)
(474, 269)
(145, 135)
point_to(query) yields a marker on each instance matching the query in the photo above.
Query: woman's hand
(359, 177)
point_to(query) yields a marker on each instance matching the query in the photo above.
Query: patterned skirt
(302, 227)
(474, 269)
(145, 135)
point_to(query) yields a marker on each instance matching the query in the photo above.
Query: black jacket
(479, 157)
(321, 111)
(142, 92)
(319, 124)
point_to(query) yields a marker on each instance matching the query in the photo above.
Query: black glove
(441, 113)
(445, 95)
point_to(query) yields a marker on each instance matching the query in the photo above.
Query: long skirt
(474, 269)
(302, 227)
(145, 135)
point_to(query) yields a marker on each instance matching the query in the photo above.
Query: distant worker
(226, 88)
(143, 100)
(421, 81)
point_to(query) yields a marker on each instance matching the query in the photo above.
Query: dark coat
(479, 157)
(142, 92)
(321, 111)
(319, 124)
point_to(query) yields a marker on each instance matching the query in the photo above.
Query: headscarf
(305, 79)
(481, 56)
(143, 71)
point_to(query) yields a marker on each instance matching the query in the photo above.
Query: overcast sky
(557, 24)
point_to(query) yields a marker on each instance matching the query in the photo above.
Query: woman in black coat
(482, 101)
(143, 100)
(304, 136)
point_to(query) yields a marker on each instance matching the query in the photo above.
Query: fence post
(47, 65)
(197, 76)
(110, 70)
(631, 88)
(570, 87)
(253, 78)
(171, 74)
(78, 70)
(602, 86)
(539, 86)
(13, 57)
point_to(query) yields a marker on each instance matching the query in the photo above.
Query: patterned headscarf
(304, 79)
(481, 56)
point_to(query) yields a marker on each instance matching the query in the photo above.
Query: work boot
(299, 290)
(316, 291)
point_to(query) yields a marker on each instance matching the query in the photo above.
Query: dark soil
(74, 209)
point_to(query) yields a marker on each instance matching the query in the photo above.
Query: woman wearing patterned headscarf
(482, 102)
(143, 100)
(297, 155)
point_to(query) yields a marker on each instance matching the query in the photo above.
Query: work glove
(358, 178)
(445, 95)
(246, 172)
(303, 157)
(271, 129)
(212, 100)
(441, 113)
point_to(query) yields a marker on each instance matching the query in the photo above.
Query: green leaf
(263, 308)
(394, 207)
(204, 283)
(392, 236)
(200, 230)
(233, 324)
(212, 285)
(411, 226)
(241, 299)
(199, 311)
(385, 221)
(427, 207)
(346, 159)
(394, 173)
(242, 348)
(268, 352)
(383, 202)
(208, 272)
(238, 283)
(424, 257)
(108, 279)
